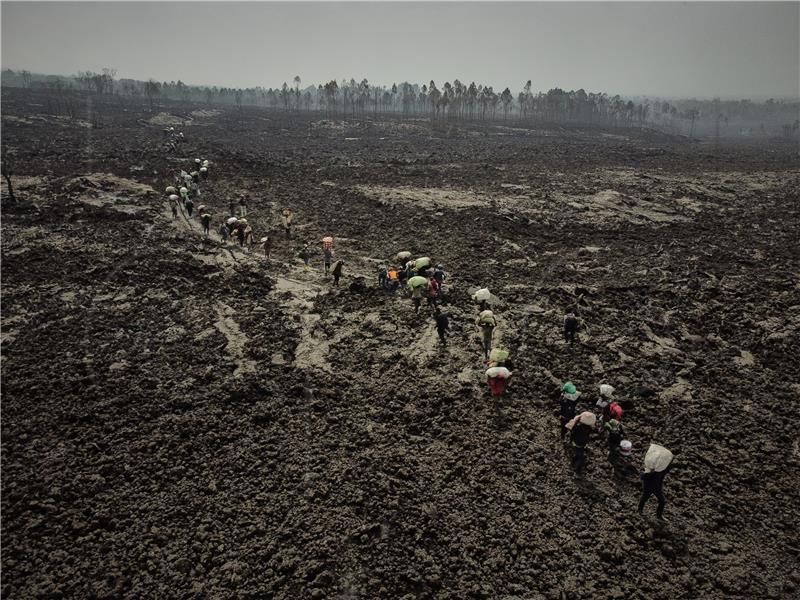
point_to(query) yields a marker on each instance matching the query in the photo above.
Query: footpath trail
(298, 289)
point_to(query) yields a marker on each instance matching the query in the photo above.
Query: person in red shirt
(433, 292)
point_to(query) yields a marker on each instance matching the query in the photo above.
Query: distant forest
(446, 102)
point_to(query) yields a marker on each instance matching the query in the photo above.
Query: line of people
(579, 429)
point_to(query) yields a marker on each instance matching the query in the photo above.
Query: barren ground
(185, 419)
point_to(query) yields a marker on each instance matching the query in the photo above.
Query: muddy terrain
(183, 418)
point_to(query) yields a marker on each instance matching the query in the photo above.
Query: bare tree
(506, 99)
(152, 89)
(7, 168)
(692, 116)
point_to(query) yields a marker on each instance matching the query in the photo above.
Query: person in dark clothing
(438, 274)
(580, 436)
(337, 271)
(232, 206)
(327, 258)
(402, 276)
(567, 402)
(433, 292)
(240, 233)
(442, 325)
(570, 327)
(189, 204)
(174, 210)
(653, 485)
(205, 219)
(616, 433)
(383, 276)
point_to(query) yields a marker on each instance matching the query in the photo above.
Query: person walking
(615, 433)
(487, 322)
(433, 292)
(416, 297)
(580, 433)
(305, 254)
(653, 477)
(189, 204)
(327, 257)
(570, 327)
(224, 232)
(205, 219)
(286, 220)
(267, 246)
(383, 276)
(243, 205)
(337, 271)
(442, 325)
(567, 403)
(232, 206)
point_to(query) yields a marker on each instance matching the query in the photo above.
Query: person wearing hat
(204, 173)
(337, 271)
(570, 327)
(605, 399)
(567, 403)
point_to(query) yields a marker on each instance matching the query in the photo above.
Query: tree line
(454, 101)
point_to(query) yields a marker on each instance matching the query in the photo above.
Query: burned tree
(152, 89)
(6, 169)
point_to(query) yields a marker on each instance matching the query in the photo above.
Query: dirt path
(228, 326)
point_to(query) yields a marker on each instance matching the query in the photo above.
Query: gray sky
(727, 49)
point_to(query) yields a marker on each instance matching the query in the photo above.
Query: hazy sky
(729, 49)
